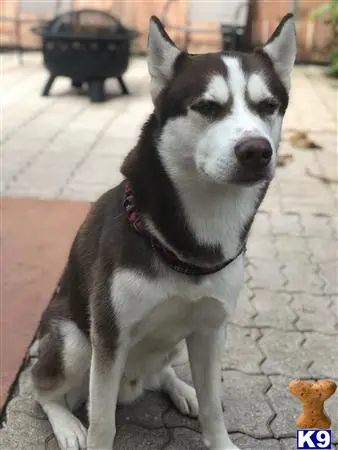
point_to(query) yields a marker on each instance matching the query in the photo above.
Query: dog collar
(167, 255)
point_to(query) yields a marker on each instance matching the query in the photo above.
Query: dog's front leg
(204, 348)
(105, 376)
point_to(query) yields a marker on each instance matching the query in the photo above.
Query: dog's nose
(254, 153)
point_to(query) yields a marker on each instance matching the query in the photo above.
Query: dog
(159, 260)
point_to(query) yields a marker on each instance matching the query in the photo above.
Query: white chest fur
(160, 313)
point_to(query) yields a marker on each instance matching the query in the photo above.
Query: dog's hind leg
(59, 380)
(182, 395)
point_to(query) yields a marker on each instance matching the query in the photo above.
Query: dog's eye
(267, 107)
(208, 108)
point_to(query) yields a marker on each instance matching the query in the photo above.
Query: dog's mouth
(250, 181)
(246, 178)
(247, 183)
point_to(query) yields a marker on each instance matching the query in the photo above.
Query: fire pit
(87, 46)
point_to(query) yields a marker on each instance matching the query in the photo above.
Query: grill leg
(48, 85)
(122, 86)
(96, 91)
(76, 84)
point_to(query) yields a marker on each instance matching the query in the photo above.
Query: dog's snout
(253, 153)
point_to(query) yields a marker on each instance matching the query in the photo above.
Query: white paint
(282, 51)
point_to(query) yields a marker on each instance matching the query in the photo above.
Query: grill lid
(86, 24)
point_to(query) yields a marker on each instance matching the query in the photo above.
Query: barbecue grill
(87, 46)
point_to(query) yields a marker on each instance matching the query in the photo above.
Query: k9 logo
(315, 439)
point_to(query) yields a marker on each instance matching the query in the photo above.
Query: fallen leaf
(301, 140)
(284, 159)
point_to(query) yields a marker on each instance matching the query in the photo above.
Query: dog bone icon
(313, 396)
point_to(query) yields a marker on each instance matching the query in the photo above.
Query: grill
(87, 46)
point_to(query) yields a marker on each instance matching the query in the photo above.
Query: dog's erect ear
(282, 49)
(162, 54)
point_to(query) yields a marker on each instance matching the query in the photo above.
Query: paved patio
(286, 326)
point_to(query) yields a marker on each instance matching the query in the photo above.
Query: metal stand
(96, 91)
(123, 87)
(76, 84)
(48, 85)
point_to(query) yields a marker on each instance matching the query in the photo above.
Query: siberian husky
(159, 259)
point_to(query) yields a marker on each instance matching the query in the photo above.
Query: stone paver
(285, 325)
(266, 274)
(325, 363)
(184, 439)
(303, 277)
(288, 444)
(139, 438)
(244, 311)
(285, 224)
(55, 145)
(241, 350)
(246, 408)
(322, 250)
(284, 353)
(329, 274)
(290, 248)
(285, 405)
(314, 313)
(262, 248)
(273, 310)
(314, 226)
(247, 442)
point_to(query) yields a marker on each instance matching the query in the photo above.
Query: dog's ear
(162, 54)
(282, 49)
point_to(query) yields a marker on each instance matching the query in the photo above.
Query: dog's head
(221, 114)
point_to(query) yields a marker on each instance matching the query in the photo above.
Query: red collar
(167, 255)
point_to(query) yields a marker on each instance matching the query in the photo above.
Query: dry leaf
(301, 139)
(284, 159)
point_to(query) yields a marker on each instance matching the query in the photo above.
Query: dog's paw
(101, 436)
(71, 435)
(226, 445)
(184, 398)
(231, 447)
